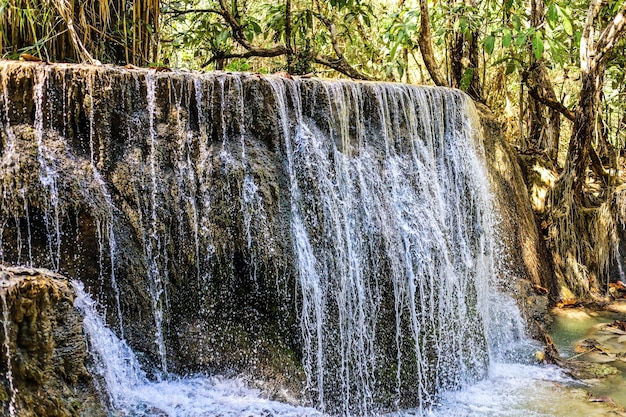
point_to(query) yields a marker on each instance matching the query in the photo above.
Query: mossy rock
(48, 350)
(589, 370)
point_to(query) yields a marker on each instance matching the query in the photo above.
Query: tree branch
(254, 52)
(426, 48)
(596, 164)
(555, 105)
(543, 99)
(176, 12)
(235, 27)
(610, 35)
(340, 65)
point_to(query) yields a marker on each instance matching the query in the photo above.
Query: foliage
(332, 33)
(116, 31)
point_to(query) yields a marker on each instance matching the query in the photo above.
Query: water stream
(7, 351)
(131, 393)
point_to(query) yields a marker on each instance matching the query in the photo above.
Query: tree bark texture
(426, 46)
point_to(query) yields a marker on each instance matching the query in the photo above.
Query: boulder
(43, 371)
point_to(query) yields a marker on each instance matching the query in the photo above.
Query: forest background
(553, 72)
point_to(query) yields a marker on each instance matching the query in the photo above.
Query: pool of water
(572, 325)
(521, 390)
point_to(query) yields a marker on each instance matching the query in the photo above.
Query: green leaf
(466, 80)
(552, 16)
(489, 42)
(557, 51)
(506, 38)
(567, 25)
(256, 27)
(537, 44)
(392, 53)
(510, 67)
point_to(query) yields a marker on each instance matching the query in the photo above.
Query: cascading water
(334, 237)
(131, 393)
(7, 351)
(414, 216)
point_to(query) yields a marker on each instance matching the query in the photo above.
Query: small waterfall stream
(7, 351)
(340, 235)
(132, 393)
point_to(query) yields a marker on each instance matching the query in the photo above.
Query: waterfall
(335, 237)
(413, 213)
(131, 393)
(7, 351)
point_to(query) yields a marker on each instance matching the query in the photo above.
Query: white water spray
(132, 394)
(7, 349)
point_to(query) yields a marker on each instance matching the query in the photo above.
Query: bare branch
(426, 48)
(342, 66)
(176, 13)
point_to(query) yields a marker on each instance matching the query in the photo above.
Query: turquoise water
(573, 325)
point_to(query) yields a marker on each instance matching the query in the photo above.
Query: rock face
(224, 237)
(41, 333)
(526, 255)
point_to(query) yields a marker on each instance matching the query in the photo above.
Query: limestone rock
(43, 369)
(526, 255)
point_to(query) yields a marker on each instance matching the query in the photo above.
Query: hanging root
(584, 240)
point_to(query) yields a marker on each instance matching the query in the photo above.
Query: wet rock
(606, 344)
(584, 370)
(526, 258)
(43, 369)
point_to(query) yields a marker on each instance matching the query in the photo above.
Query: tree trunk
(475, 89)
(426, 47)
(544, 124)
(456, 60)
(593, 57)
(577, 260)
(584, 128)
(464, 64)
(288, 45)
